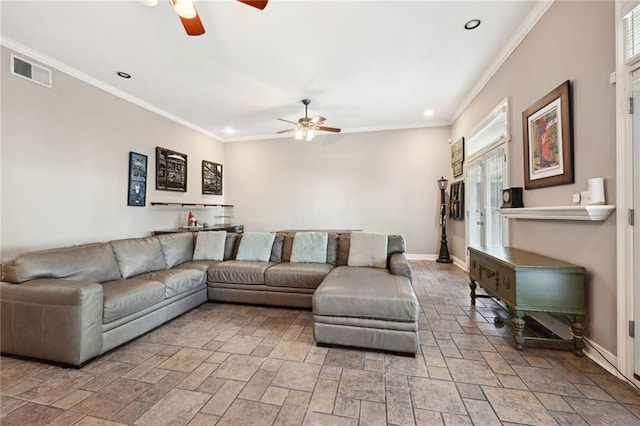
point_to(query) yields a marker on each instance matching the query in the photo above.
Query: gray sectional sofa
(72, 304)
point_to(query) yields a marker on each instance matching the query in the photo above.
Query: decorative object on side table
(211, 178)
(171, 170)
(443, 256)
(512, 198)
(548, 144)
(137, 194)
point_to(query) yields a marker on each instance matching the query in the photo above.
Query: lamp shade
(442, 183)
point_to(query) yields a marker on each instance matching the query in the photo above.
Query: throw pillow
(256, 246)
(210, 245)
(368, 249)
(309, 247)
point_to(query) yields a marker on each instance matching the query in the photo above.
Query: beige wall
(572, 41)
(377, 181)
(65, 155)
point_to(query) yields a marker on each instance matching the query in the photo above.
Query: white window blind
(491, 132)
(632, 40)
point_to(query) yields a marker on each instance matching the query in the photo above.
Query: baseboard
(462, 264)
(411, 256)
(592, 350)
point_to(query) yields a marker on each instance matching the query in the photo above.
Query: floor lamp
(443, 256)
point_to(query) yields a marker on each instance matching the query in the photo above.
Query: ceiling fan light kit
(306, 127)
(185, 9)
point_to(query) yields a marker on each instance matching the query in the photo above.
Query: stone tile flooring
(234, 364)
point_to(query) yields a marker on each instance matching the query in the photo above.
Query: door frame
(624, 199)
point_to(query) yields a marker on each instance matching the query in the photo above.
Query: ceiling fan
(306, 127)
(189, 15)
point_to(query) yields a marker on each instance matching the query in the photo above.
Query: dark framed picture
(457, 157)
(171, 170)
(548, 144)
(137, 193)
(211, 178)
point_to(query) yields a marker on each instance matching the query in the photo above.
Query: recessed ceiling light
(428, 113)
(472, 24)
(123, 74)
(229, 130)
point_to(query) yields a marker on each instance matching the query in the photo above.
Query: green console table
(528, 283)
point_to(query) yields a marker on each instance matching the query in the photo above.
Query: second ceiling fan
(306, 127)
(191, 20)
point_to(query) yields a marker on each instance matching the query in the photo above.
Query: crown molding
(534, 16)
(44, 59)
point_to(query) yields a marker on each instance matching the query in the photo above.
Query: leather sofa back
(137, 256)
(93, 262)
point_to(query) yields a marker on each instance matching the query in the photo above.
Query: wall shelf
(157, 203)
(592, 213)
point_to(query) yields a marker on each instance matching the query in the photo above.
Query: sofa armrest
(399, 265)
(53, 319)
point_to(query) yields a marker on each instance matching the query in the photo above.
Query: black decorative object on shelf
(512, 198)
(443, 256)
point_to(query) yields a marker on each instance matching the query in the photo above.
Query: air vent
(30, 71)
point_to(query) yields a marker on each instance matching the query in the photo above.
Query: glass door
(485, 178)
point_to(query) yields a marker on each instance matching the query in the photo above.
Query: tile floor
(247, 365)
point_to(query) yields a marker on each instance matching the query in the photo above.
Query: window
(632, 39)
(486, 177)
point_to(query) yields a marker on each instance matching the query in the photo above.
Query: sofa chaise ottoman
(369, 307)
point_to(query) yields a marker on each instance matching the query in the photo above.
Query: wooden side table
(528, 283)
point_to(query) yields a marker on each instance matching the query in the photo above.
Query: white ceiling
(365, 65)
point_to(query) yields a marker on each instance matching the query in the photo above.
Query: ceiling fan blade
(318, 120)
(285, 131)
(258, 4)
(287, 121)
(329, 129)
(192, 26)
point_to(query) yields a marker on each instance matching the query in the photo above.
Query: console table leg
(472, 286)
(578, 332)
(518, 324)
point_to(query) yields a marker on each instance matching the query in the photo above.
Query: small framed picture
(137, 193)
(171, 170)
(211, 178)
(548, 144)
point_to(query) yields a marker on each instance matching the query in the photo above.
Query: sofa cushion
(300, 275)
(368, 249)
(200, 265)
(177, 248)
(396, 244)
(177, 281)
(332, 248)
(136, 256)
(88, 262)
(210, 245)
(344, 241)
(256, 246)
(126, 297)
(276, 250)
(366, 293)
(309, 247)
(239, 272)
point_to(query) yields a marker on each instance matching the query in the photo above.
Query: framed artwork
(456, 200)
(211, 178)
(457, 157)
(171, 170)
(548, 144)
(137, 193)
